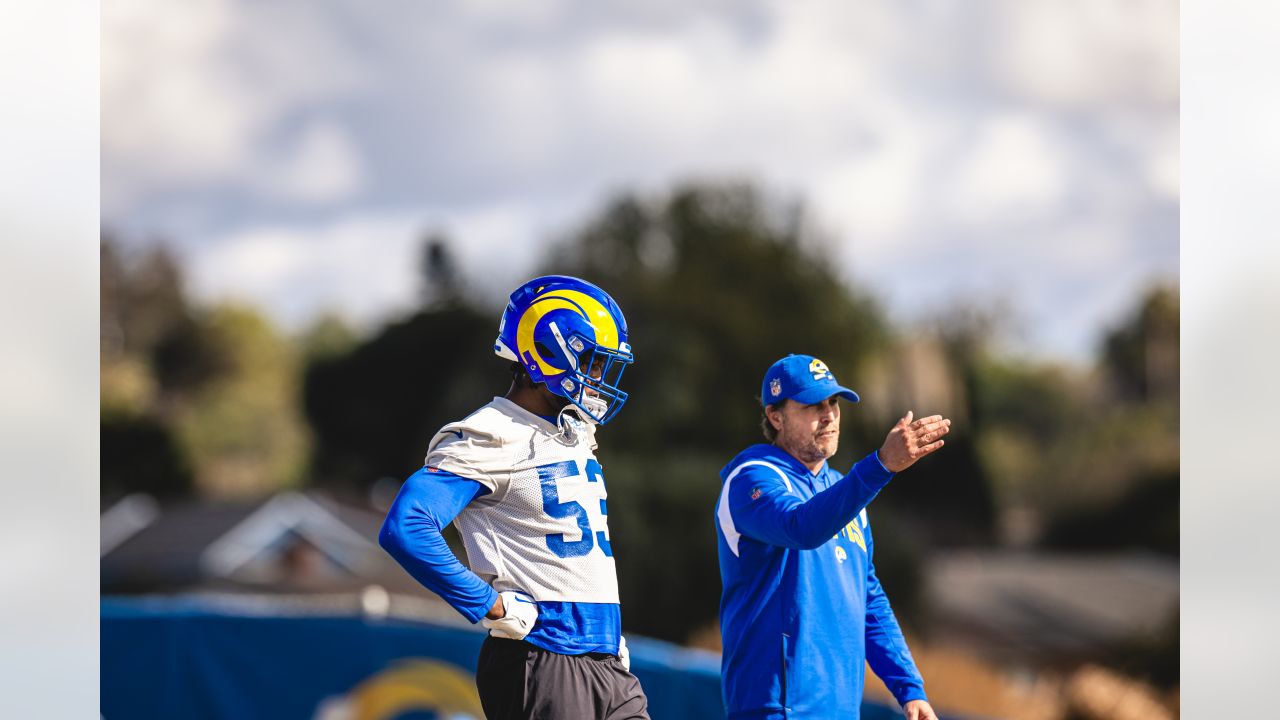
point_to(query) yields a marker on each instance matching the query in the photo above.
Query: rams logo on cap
(819, 370)
(775, 387)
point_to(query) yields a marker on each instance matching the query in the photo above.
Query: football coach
(801, 608)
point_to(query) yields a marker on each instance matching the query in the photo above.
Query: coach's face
(810, 433)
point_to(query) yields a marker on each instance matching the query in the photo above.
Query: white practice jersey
(542, 528)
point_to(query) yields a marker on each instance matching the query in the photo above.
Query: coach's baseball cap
(803, 378)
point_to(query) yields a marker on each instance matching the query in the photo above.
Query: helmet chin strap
(569, 426)
(595, 406)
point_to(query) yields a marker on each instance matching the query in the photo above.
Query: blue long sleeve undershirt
(427, 502)
(780, 518)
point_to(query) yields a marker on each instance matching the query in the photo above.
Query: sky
(1021, 155)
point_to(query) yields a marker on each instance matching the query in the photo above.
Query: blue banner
(186, 658)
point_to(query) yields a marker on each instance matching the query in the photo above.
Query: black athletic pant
(521, 681)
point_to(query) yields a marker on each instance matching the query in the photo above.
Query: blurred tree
(441, 280)
(327, 337)
(1019, 411)
(149, 302)
(1144, 518)
(947, 498)
(141, 306)
(139, 454)
(373, 410)
(242, 427)
(111, 279)
(1141, 356)
(185, 360)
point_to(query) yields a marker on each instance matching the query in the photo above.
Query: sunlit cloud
(1028, 149)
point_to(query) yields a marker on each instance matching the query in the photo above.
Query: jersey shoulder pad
(478, 447)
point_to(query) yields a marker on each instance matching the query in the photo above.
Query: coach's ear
(774, 415)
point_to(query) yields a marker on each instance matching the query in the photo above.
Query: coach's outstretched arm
(764, 507)
(426, 504)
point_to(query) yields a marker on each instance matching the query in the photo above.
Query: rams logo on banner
(819, 370)
(413, 688)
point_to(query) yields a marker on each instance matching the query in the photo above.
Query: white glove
(521, 612)
(624, 654)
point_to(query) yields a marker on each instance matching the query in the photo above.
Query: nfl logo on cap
(775, 387)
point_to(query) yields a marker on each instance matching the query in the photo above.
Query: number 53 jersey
(542, 528)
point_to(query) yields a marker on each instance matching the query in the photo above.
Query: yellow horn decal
(529, 321)
(416, 685)
(596, 313)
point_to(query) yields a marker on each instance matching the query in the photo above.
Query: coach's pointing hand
(910, 440)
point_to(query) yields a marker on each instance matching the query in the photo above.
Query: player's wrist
(519, 613)
(497, 610)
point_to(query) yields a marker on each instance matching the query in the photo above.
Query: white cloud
(170, 112)
(193, 94)
(874, 195)
(319, 164)
(1015, 168)
(970, 132)
(363, 268)
(1090, 52)
(366, 268)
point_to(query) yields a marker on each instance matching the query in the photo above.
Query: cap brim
(818, 394)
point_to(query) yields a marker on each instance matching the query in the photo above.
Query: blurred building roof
(290, 542)
(1037, 608)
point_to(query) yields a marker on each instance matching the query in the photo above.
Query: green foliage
(1145, 517)
(140, 454)
(191, 399)
(242, 427)
(327, 337)
(1072, 448)
(661, 524)
(945, 497)
(374, 410)
(1020, 411)
(1141, 356)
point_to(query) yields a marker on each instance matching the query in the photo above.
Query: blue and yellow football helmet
(571, 336)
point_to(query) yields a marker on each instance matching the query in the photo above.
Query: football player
(520, 480)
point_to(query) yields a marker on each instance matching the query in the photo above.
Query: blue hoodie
(801, 608)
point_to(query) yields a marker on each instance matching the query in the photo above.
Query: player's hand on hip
(624, 654)
(919, 710)
(910, 440)
(519, 613)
